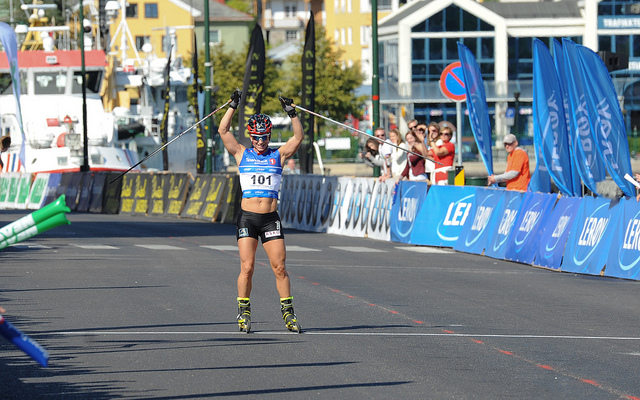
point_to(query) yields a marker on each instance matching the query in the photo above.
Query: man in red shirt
(517, 175)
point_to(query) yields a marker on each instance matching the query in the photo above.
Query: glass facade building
(418, 41)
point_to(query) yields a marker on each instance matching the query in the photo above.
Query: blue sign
(590, 237)
(452, 82)
(505, 218)
(446, 211)
(408, 200)
(624, 257)
(533, 215)
(556, 231)
(474, 237)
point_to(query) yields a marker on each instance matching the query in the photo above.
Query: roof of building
(219, 12)
(535, 9)
(515, 10)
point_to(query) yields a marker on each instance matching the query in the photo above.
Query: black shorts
(266, 226)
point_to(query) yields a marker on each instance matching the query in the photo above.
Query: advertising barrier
(595, 236)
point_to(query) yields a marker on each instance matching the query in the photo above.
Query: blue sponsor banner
(408, 200)
(532, 217)
(558, 59)
(473, 238)
(442, 218)
(609, 125)
(549, 117)
(589, 163)
(556, 231)
(505, 216)
(590, 237)
(477, 105)
(624, 257)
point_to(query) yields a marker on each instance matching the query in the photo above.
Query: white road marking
(409, 334)
(222, 248)
(358, 249)
(432, 250)
(300, 248)
(30, 246)
(159, 247)
(95, 246)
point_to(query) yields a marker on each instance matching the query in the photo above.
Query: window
(349, 35)
(290, 10)
(141, 40)
(132, 11)
(336, 5)
(292, 36)
(215, 37)
(349, 6)
(342, 37)
(336, 36)
(365, 35)
(151, 10)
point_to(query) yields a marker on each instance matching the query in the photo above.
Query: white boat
(51, 105)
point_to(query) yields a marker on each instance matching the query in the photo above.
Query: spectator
(385, 147)
(372, 157)
(398, 158)
(5, 143)
(291, 168)
(414, 170)
(444, 154)
(517, 174)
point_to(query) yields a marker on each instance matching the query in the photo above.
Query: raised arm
(290, 148)
(230, 142)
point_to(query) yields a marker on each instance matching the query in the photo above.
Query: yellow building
(348, 24)
(161, 23)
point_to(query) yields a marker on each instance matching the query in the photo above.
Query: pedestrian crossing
(234, 248)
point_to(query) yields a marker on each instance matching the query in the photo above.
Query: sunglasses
(413, 127)
(258, 138)
(446, 133)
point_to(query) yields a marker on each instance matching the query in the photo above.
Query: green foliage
(334, 83)
(241, 5)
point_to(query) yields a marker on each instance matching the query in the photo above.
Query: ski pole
(366, 134)
(171, 141)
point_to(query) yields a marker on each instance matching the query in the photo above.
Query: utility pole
(208, 127)
(375, 79)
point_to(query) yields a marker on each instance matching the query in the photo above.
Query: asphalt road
(136, 307)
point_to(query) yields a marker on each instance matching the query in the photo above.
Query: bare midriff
(259, 205)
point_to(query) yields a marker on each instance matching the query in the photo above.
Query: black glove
(235, 99)
(287, 107)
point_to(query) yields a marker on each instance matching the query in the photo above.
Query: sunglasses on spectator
(421, 129)
(446, 133)
(258, 138)
(413, 127)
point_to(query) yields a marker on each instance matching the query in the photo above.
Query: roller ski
(289, 316)
(244, 315)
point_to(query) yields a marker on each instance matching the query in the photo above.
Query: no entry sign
(452, 82)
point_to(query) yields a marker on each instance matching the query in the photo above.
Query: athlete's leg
(277, 254)
(247, 247)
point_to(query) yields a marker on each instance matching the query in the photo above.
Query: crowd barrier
(595, 236)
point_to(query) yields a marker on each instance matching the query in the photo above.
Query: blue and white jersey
(260, 174)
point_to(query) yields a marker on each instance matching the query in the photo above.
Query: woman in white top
(398, 157)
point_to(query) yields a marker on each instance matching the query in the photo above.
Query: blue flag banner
(444, 214)
(8, 39)
(505, 217)
(576, 184)
(588, 161)
(590, 237)
(624, 256)
(477, 105)
(408, 200)
(473, 238)
(540, 179)
(532, 217)
(549, 117)
(608, 123)
(556, 231)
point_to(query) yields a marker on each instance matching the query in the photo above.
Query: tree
(335, 82)
(228, 72)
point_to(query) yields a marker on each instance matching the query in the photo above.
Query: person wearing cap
(517, 174)
(260, 170)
